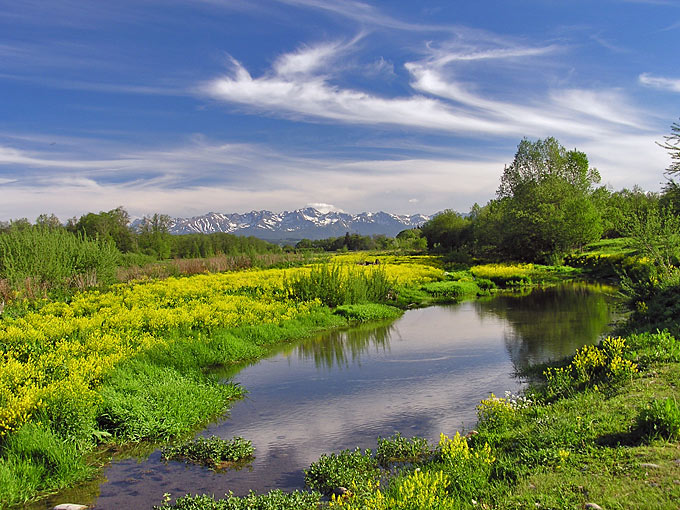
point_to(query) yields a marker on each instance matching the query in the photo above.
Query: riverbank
(131, 364)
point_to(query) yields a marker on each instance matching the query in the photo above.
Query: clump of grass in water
(398, 448)
(214, 452)
(349, 468)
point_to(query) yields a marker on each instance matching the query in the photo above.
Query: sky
(188, 106)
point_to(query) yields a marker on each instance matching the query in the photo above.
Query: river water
(422, 374)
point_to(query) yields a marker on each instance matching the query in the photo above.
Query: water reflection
(551, 323)
(420, 375)
(341, 348)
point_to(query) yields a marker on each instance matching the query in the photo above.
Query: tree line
(151, 237)
(548, 203)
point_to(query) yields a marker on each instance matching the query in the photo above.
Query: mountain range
(307, 223)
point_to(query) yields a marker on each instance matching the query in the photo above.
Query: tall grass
(35, 261)
(336, 285)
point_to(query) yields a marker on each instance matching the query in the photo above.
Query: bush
(38, 260)
(367, 312)
(335, 285)
(590, 365)
(660, 418)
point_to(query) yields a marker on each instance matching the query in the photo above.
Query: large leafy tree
(546, 201)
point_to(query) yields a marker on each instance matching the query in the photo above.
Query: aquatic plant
(398, 448)
(348, 468)
(273, 500)
(214, 451)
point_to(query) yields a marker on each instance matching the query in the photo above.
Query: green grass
(34, 460)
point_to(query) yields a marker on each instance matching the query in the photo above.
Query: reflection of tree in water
(339, 348)
(550, 323)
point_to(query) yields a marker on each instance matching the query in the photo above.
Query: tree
(546, 202)
(50, 222)
(672, 145)
(111, 225)
(447, 231)
(154, 236)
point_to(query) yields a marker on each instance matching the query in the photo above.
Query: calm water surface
(422, 374)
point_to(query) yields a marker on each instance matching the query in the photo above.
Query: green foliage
(447, 231)
(274, 500)
(672, 145)
(607, 363)
(367, 312)
(452, 289)
(658, 347)
(214, 452)
(398, 448)
(35, 459)
(660, 418)
(352, 242)
(143, 400)
(349, 468)
(335, 285)
(107, 226)
(545, 205)
(37, 260)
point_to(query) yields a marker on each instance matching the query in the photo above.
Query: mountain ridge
(304, 223)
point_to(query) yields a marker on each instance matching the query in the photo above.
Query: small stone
(593, 506)
(649, 465)
(70, 506)
(532, 487)
(341, 491)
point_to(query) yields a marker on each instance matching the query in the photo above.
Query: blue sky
(184, 107)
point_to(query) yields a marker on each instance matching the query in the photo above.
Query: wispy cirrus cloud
(660, 82)
(298, 87)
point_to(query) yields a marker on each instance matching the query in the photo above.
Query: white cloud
(324, 208)
(658, 82)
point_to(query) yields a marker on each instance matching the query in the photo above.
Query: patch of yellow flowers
(592, 363)
(71, 346)
(420, 490)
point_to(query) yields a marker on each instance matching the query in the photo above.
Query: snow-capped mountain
(307, 223)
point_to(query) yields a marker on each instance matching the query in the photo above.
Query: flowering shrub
(499, 410)
(590, 365)
(418, 491)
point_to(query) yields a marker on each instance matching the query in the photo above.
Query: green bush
(335, 285)
(660, 418)
(38, 260)
(367, 312)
